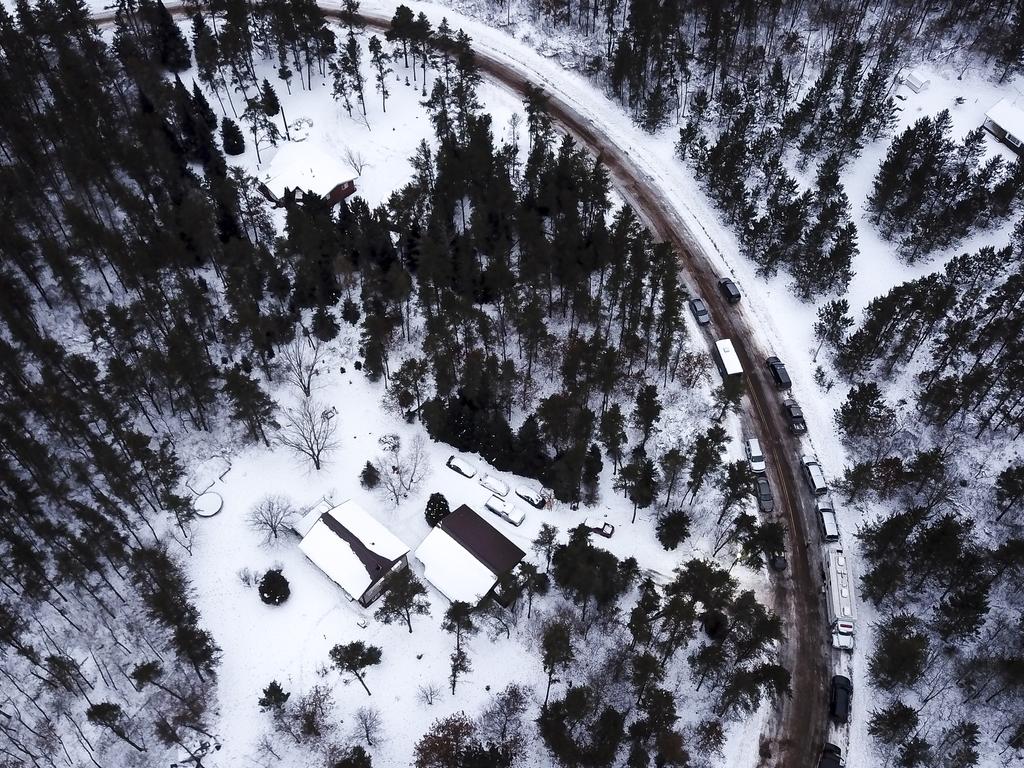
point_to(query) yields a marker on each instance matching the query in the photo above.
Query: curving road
(795, 731)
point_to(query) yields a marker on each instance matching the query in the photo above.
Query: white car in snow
(506, 510)
(530, 496)
(755, 457)
(464, 468)
(494, 485)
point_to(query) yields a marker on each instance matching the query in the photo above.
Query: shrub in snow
(369, 478)
(350, 312)
(356, 758)
(274, 588)
(673, 529)
(325, 327)
(274, 698)
(437, 509)
(247, 577)
(231, 136)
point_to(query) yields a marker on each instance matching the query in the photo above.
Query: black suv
(831, 757)
(795, 417)
(839, 698)
(729, 290)
(777, 368)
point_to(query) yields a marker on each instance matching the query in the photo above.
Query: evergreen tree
(231, 137)
(404, 595)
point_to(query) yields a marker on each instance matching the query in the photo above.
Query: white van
(814, 476)
(827, 522)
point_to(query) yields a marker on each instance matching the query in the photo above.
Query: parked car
(506, 510)
(765, 499)
(814, 476)
(794, 417)
(780, 376)
(730, 290)
(777, 561)
(700, 310)
(461, 466)
(600, 527)
(530, 496)
(839, 698)
(755, 458)
(828, 522)
(494, 485)
(831, 757)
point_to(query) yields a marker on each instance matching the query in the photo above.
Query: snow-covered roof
(916, 81)
(351, 547)
(308, 520)
(1008, 117)
(306, 165)
(453, 570)
(464, 555)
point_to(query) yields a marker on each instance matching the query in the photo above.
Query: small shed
(464, 556)
(916, 81)
(352, 548)
(1005, 121)
(299, 168)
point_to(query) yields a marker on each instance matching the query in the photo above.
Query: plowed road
(794, 734)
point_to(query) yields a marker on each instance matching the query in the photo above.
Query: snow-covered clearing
(290, 643)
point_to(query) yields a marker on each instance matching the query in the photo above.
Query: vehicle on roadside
(839, 598)
(794, 417)
(600, 527)
(780, 376)
(506, 510)
(831, 757)
(729, 290)
(494, 485)
(752, 449)
(726, 359)
(840, 698)
(765, 499)
(828, 523)
(814, 475)
(461, 466)
(530, 496)
(700, 310)
(777, 561)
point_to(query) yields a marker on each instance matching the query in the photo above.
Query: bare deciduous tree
(428, 694)
(300, 359)
(309, 431)
(368, 725)
(355, 159)
(401, 472)
(271, 517)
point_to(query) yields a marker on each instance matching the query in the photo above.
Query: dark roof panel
(482, 540)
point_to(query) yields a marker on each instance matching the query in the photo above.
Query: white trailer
(726, 359)
(839, 595)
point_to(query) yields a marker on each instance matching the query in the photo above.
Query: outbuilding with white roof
(464, 556)
(302, 167)
(352, 548)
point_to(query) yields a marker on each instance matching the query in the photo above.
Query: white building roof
(456, 573)
(306, 165)
(916, 81)
(338, 558)
(1008, 117)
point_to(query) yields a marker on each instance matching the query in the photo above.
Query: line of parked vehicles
(835, 569)
(499, 503)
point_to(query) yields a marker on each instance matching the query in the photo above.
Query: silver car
(755, 457)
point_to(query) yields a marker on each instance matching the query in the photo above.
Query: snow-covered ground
(290, 642)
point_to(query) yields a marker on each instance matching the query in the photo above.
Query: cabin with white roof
(354, 550)
(300, 168)
(916, 81)
(464, 556)
(1005, 121)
